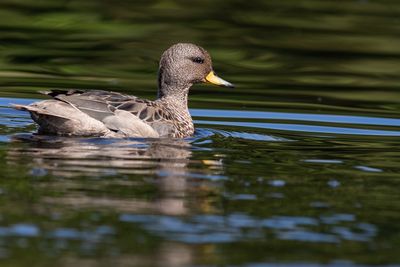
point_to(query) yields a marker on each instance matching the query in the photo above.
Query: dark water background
(297, 166)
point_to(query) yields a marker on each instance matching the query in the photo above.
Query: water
(297, 166)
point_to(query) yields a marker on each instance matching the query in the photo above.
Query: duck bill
(214, 79)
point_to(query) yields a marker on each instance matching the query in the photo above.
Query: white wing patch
(129, 125)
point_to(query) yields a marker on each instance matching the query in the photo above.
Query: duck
(100, 113)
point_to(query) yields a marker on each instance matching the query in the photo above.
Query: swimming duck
(112, 114)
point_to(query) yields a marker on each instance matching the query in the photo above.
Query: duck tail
(36, 111)
(17, 106)
(28, 108)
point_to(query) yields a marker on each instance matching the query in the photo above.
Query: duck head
(183, 65)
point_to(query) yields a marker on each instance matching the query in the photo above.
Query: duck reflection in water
(162, 163)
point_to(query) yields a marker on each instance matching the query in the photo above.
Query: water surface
(297, 166)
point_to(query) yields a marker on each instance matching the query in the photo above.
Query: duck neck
(174, 97)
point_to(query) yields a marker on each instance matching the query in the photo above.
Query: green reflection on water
(315, 57)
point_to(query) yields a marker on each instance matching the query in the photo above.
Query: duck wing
(96, 103)
(104, 105)
(127, 124)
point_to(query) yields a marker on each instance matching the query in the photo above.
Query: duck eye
(198, 60)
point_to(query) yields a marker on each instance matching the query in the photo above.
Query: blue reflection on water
(212, 113)
(20, 230)
(234, 227)
(368, 169)
(303, 128)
